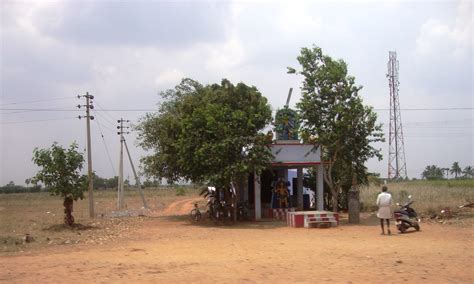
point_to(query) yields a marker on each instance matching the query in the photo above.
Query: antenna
(289, 97)
(397, 167)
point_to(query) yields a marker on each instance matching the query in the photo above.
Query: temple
(275, 192)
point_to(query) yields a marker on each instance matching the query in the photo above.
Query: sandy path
(171, 249)
(180, 207)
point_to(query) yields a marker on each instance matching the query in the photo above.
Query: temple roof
(295, 155)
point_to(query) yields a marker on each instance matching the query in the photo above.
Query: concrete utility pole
(88, 117)
(120, 179)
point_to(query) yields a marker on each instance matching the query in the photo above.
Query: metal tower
(397, 168)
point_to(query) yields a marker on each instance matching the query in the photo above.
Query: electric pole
(397, 168)
(88, 117)
(120, 127)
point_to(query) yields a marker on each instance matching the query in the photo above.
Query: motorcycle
(242, 211)
(406, 217)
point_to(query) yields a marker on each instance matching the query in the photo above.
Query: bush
(180, 191)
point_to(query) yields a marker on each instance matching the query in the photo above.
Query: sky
(125, 52)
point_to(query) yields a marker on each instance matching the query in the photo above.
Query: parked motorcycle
(406, 217)
(243, 211)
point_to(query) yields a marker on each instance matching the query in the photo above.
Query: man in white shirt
(384, 202)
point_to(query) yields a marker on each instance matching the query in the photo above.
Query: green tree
(468, 172)
(98, 182)
(446, 170)
(206, 134)
(27, 181)
(455, 169)
(112, 182)
(60, 172)
(332, 110)
(432, 172)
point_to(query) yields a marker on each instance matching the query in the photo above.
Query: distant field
(41, 215)
(430, 196)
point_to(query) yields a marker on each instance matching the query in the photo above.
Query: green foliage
(432, 172)
(332, 110)
(180, 191)
(11, 187)
(151, 183)
(374, 179)
(402, 196)
(455, 169)
(60, 171)
(468, 172)
(206, 133)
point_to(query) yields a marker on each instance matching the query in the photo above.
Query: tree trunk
(68, 208)
(354, 205)
(335, 196)
(354, 202)
(234, 202)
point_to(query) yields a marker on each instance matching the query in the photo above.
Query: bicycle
(195, 213)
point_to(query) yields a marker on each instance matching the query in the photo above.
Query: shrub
(180, 191)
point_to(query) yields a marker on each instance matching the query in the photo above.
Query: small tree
(61, 174)
(456, 169)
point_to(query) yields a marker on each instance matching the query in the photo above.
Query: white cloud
(439, 38)
(169, 77)
(225, 56)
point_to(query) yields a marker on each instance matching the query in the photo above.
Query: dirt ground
(166, 247)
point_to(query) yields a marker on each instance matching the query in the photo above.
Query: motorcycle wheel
(401, 228)
(195, 215)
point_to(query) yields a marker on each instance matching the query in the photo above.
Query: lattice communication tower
(397, 168)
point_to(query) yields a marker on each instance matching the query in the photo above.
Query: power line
(105, 145)
(37, 101)
(427, 109)
(105, 119)
(144, 109)
(39, 109)
(38, 120)
(113, 119)
(440, 121)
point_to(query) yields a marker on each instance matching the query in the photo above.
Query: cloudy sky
(125, 52)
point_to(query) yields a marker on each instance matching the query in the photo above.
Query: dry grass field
(163, 245)
(430, 196)
(41, 216)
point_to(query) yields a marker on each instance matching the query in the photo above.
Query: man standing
(384, 202)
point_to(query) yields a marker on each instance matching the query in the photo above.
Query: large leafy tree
(60, 172)
(432, 172)
(206, 134)
(456, 169)
(332, 110)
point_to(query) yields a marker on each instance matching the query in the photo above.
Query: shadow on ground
(74, 227)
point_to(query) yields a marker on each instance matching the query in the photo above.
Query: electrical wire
(104, 118)
(38, 109)
(101, 108)
(38, 120)
(144, 109)
(37, 101)
(105, 145)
